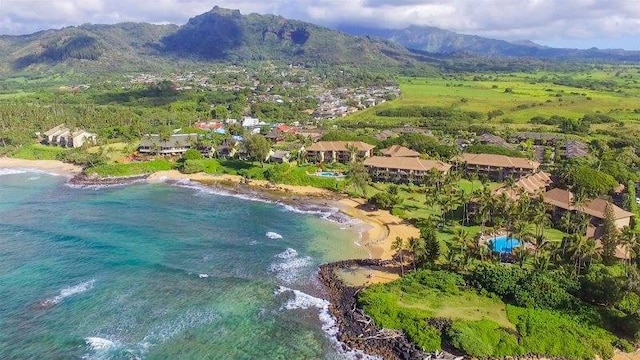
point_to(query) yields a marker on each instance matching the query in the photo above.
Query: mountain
(438, 41)
(220, 35)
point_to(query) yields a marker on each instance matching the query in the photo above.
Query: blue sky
(565, 23)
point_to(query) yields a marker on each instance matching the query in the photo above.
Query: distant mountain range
(438, 41)
(223, 35)
(220, 35)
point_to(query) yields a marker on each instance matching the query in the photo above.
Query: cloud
(541, 20)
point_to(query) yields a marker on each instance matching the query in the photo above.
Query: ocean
(158, 271)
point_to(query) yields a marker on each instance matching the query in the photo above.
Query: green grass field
(519, 96)
(38, 152)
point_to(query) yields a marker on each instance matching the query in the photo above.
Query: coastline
(50, 166)
(378, 231)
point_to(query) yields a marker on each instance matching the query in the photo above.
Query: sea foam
(11, 172)
(273, 235)
(97, 343)
(69, 291)
(304, 301)
(291, 267)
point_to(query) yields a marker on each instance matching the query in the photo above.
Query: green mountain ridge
(220, 35)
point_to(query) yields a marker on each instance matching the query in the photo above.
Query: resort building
(573, 149)
(496, 167)
(176, 144)
(65, 137)
(279, 156)
(399, 151)
(338, 151)
(530, 185)
(490, 139)
(563, 201)
(403, 169)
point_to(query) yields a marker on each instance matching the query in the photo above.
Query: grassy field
(38, 152)
(478, 323)
(521, 96)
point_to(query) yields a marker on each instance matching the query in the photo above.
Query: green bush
(483, 338)
(192, 167)
(192, 154)
(129, 169)
(385, 200)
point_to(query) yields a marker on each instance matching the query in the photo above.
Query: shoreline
(49, 166)
(379, 231)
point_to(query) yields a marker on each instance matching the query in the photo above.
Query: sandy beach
(50, 166)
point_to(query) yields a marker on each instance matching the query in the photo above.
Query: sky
(558, 23)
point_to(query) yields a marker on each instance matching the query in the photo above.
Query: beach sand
(50, 166)
(385, 227)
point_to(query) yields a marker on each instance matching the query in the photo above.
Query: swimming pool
(504, 244)
(332, 174)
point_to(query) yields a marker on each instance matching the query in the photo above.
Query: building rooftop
(406, 163)
(399, 151)
(340, 146)
(498, 161)
(564, 199)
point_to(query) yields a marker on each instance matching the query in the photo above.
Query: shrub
(483, 338)
(192, 167)
(192, 154)
(385, 200)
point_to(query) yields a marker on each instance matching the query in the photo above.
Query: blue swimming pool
(332, 174)
(504, 244)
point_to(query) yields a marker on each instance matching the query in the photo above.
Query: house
(531, 185)
(228, 149)
(573, 149)
(279, 133)
(65, 137)
(537, 138)
(176, 144)
(338, 151)
(490, 139)
(496, 167)
(279, 156)
(399, 151)
(403, 169)
(563, 200)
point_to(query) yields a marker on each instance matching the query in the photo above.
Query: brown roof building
(403, 169)
(340, 151)
(497, 167)
(399, 151)
(596, 208)
(531, 185)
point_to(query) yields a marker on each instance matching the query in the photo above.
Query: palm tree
(590, 253)
(398, 247)
(521, 254)
(566, 221)
(416, 248)
(577, 247)
(461, 237)
(358, 176)
(540, 243)
(541, 264)
(628, 240)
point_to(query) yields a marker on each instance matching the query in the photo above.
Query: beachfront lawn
(131, 169)
(439, 307)
(39, 152)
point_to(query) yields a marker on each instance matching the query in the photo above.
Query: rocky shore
(82, 180)
(356, 330)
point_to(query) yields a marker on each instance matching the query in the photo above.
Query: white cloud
(550, 21)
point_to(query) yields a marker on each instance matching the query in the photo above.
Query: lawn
(38, 152)
(478, 323)
(519, 96)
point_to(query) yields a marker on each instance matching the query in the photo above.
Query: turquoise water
(160, 272)
(504, 244)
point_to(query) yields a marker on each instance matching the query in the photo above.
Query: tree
(398, 247)
(416, 247)
(431, 245)
(258, 147)
(610, 236)
(358, 176)
(461, 238)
